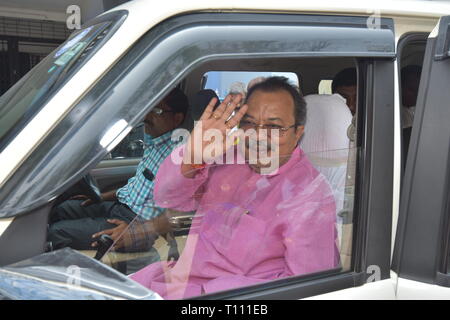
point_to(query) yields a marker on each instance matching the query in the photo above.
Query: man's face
(274, 110)
(158, 124)
(349, 93)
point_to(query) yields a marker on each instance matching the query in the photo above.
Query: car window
(239, 228)
(132, 146)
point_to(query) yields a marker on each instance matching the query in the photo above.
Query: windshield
(27, 97)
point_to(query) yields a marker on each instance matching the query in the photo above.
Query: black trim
(404, 41)
(378, 152)
(382, 155)
(422, 236)
(362, 174)
(292, 288)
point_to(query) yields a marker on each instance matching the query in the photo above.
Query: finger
(209, 109)
(94, 244)
(116, 221)
(231, 106)
(86, 203)
(79, 197)
(236, 118)
(217, 114)
(98, 234)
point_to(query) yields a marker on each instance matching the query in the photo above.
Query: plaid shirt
(137, 194)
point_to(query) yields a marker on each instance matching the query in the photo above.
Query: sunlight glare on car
(115, 134)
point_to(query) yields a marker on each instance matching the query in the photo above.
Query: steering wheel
(89, 187)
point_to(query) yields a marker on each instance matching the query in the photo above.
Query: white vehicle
(79, 111)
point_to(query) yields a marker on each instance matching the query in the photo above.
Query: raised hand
(211, 132)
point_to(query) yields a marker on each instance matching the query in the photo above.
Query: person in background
(344, 83)
(410, 79)
(76, 223)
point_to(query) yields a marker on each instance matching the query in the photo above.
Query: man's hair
(410, 71)
(273, 84)
(344, 78)
(177, 101)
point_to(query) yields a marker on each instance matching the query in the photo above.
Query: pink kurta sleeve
(172, 189)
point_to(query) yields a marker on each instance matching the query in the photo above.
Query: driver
(77, 222)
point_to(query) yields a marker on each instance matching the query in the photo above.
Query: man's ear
(299, 132)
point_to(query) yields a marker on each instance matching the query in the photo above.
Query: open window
(184, 50)
(411, 51)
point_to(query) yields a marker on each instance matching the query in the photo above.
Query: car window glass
(243, 229)
(225, 82)
(132, 146)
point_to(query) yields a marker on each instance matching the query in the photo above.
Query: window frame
(423, 232)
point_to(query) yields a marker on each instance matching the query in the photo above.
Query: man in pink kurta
(248, 227)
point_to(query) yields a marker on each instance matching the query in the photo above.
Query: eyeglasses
(159, 111)
(246, 125)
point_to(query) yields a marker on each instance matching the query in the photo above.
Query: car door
(422, 243)
(183, 44)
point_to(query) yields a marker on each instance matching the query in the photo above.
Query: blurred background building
(31, 29)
